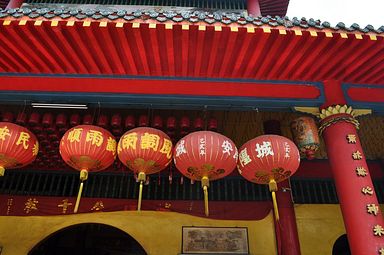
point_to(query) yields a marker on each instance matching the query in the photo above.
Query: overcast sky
(362, 12)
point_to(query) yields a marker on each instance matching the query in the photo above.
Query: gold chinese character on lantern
(378, 230)
(111, 145)
(95, 137)
(167, 148)
(129, 141)
(357, 155)
(149, 141)
(64, 205)
(35, 149)
(361, 171)
(23, 139)
(4, 132)
(381, 251)
(372, 209)
(30, 205)
(351, 138)
(74, 135)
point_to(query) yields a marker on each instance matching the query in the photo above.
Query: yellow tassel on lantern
(205, 184)
(83, 177)
(2, 171)
(273, 188)
(141, 178)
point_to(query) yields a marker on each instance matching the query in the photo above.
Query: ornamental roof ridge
(192, 16)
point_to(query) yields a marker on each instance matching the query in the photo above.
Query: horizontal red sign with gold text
(48, 206)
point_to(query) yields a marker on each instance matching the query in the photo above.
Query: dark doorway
(88, 239)
(341, 246)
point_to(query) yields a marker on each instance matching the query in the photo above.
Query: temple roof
(190, 16)
(193, 44)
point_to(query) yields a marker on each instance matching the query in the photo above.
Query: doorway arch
(89, 239)
(341, 246)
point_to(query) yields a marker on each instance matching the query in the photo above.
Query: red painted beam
(158, 87)
(371, 94)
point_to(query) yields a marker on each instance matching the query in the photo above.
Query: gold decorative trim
(337, 109)
(311, 110)
(327, 122)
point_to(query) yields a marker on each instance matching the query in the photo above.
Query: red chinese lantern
(18, 146)
(306, 136)
(116, 121)
(88, 149)
(34, 119)
(198, 124)
(268, 159)
(130, 122)
(157, 122)
(205, 156)
(171, 123)
(47, 120)
(74, 120)
(7, 117)
(144, 150)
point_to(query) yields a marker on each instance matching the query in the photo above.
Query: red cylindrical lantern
(143, 121)
(51, 129)
(144, 150)
(21, 119)
(185, 123)
(212, 125)
(61, 120)
(47, 120)
(268, 159)
(63, 130)
(88, 149)
(205, 156)
(306, 136)
(157, 122)
(198, 124)
(18, 146)
(87, 119)
(116, 121)
(7, 117)
(103, 121)
(37, 129)
(171, 123)
(74, 120)
(34, 119)
(130, 122)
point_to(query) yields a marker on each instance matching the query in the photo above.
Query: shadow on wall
(341, 246)
(88, 239)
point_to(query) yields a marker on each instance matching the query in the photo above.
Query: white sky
(362, 12)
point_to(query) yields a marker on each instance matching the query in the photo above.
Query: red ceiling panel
(187, 50)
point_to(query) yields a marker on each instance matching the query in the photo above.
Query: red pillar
(14, 4)
(361, 213)
(253, 8)
(286, 228)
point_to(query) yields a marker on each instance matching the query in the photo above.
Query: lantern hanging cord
(83, 177)
(273, 188)
(141, 178)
